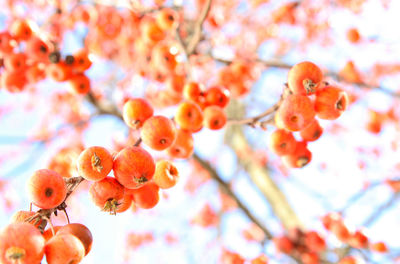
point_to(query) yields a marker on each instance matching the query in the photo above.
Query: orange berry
(379, 247)
(46, 189)
(13, 81)
(151, 32)
(353, 35)
(37, 49)
(125, 203)
(330, 102)
(358, 240)
(300, 157)
(214, 117)
(192, 91)
(217, 96)
(314, 241)
(81, 61)
(15, 61)
(136, 111)
(59, 71)
(158, 132)
(262, 259)
(166, 175)
(304, 78)
(94, 163)
(283, 244)
(21, 243)
(147, 196)
(21, 30)
(183, 146)
(282, 142)
(311, 132)
(35, 73)
(348, 260)
(64, 248)
(310, 258)
(5, 42)
(176, 83)
(80, 83)
(81, 232)
(189, 116)
(296, 112)
(167, 19)
(163, 59)
(107, 194)
(133, 167)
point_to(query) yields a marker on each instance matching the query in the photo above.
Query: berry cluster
(309, 97)
(303, 245)
(27, 59)
(22, 242)
(334, 223)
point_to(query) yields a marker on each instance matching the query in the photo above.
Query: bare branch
(227, 189)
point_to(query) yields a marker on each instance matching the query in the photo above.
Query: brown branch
(259, 174)
(196, 36)
(227, 189)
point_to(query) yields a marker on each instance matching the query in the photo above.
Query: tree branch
(227, 189)
(195, 39)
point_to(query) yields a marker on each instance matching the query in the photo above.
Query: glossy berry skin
(192, 91)
(37, 49)
(80, 84)
(136, 111)
(133, 167)
(81, 61)
(214, 117)
(304, 78)
(330, 102)
(147, 196)
(46, 189)
(189, 116)
(217, 96)
(158, 132)
(125, 203)
(94, 163)
(167, 19)
(312, 132)
(14, 62)
(183, 146)
(166, 175)
(81, 232)
(296, 112)
(300, 157)
(21, 243)
(282, 142)
(107, 194)
(13, 81)
(64, 248)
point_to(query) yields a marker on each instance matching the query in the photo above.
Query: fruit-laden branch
(227, 189)
(282, 65)
(224, 186)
